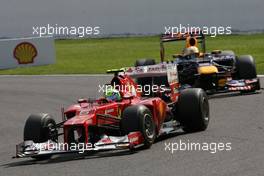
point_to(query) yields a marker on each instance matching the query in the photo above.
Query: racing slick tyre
(144, 62)
(39, 128)
(193, 110)
(139, 118)
(245, 67)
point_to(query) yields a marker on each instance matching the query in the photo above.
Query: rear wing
(147, 71)
(172, 37)
(181, 36)
(162, 69)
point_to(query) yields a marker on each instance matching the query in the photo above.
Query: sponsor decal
(236, 83)
(240, 88)
(133, 139)
(25, 53)
(147, 69)
(172, 73)
(249, 81)
(107, 111)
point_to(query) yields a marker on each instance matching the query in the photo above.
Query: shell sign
(25, 53)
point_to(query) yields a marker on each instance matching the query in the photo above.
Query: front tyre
(139, 118)
(245, 67)
(40, 128)
(193, 110)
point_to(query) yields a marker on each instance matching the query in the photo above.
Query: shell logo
(25, 53)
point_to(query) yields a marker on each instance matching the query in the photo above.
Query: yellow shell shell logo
(25, 53)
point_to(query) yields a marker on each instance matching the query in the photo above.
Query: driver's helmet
(112, 94)
(190, 51)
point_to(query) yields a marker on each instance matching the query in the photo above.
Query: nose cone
(79, 120)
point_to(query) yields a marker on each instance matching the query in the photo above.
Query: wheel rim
(149, 126)
(52, 132)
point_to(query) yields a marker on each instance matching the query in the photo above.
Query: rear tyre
(139, 118)
(193, 110)
(40, 128)
(145, 62)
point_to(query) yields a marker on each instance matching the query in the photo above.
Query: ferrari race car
(216, 71)
(127, 118)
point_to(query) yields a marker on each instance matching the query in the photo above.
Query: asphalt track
(236, 119)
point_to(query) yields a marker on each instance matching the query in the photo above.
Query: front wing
(131, 141)
(243, 85)
(31, 149)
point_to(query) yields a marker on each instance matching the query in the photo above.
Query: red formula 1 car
(137, 119)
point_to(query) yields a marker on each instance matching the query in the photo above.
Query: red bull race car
(215, 72)
(128, 116)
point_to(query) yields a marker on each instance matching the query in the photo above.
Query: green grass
(97, 55)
